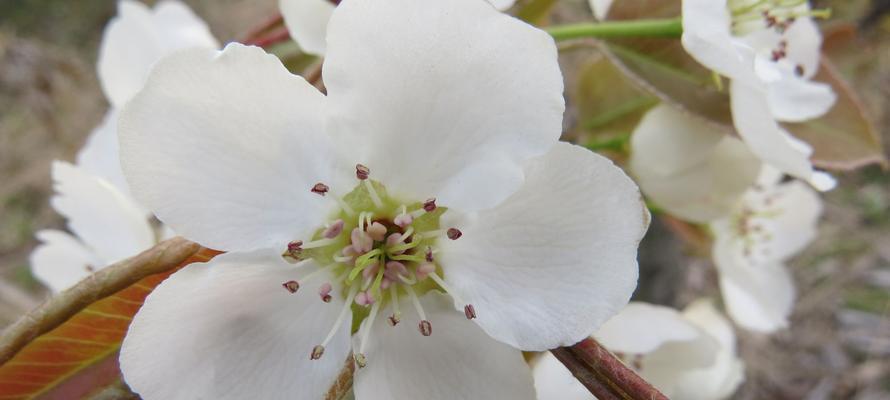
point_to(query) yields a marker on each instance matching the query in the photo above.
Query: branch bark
(603, 374)
(107, 281)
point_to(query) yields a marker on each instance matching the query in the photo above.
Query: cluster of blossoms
(427, 188)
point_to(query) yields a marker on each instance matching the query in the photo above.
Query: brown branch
(262, 28)
(604, 374)
(275, 37)
(106, 282)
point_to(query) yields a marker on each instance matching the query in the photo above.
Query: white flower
(108, 224)
(772, 222)
(307, 21)
(689, 168)
(600, 8)
(687, 356)
(108, 227)
(769, 50)
(532, 239)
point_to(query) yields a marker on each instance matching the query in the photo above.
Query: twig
(106, 282)
(604, 374)
(275, 37)
(265, 26)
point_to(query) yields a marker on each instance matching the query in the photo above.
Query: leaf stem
(663, 28)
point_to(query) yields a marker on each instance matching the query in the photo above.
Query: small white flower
(307, 21)
(689, 168)
(771, 223)
(688, 356)
(108, 224)
(425, 202)
(600, 8)
(769, 50)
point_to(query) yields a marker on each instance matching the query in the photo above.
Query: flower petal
(458, 361)
(757, 297)
(502, 5)
(107, 221)
(307, 22)
(641, 328)
(720, 380)
(61, 261)
(553, 381)
(240, 144)
(688, 168)
(555, 260)
(600, 8)
(792, 98)
(137, 37)
(100, 156)
(708, 39)
(447, 101)
(766, 139)
(227, 330)
(796, 222)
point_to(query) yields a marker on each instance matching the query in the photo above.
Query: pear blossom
(687, 356)
(689, 168)
(600, 8)
(771, 223)
(307, 21)
(770, 50)
(107, 223)
(421, 215)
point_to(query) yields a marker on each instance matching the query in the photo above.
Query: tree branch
(603, 374)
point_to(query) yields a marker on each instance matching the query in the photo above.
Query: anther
(403, 220)
(377, 231)
(295, 247)
(362, 172)
(364, 298)
(429, 205)
(320, 189)
(394, 319)
(470, 311)
(317, 352)
(360, 360)
(291, 286)
(425, 270)
(429, 254)
(325, 292)
(334, 229)
(454, 233)
(425, 328)
(798, 70)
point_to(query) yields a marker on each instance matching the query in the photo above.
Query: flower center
(752, 223)
(377, 249)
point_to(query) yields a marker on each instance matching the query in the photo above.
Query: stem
(603, 374)
(275, 37)
(618, 143)
(663, 28)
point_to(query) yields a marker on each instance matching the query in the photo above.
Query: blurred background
(838, 346)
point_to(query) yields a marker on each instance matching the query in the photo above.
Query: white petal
(600, 8)
(307, 21)
(665, 367)
(447, 101)
(60, 260)
(687, 167)
(225, 146)
(641, 328)
(758, 297)
(792, 98)
(708, 39)
(100, 156)
(458, 361)
(137, 37)
(764, 136)
(720, 380)
(107, 222)
(553, 262)
(804, 45)
(502, 5)
(554, 382)
(226, 329)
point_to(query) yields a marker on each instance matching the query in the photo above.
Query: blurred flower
(427, 189)
(94, 196)
(769, 50)
(307, 21)
(600, 8)
(689, 168)
(771, 223)
(687, 356)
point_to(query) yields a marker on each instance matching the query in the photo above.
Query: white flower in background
(108, 225)
(771, 223)
(687, 356)
(424, 202)
(307, 21)
(687, 167)
(107, 228)
(600, 8)
(770, 50)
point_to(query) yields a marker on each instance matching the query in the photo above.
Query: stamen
(362, 172)
(316, 273)
(373, 192)
(429, 254)
(367, 334)
(334, 229)
(454, 233)
(429, 205)
(425, 327)
(402, 220)
(344, 206)
(318, 351)
(291, 286)
(396, 316)
(377, 231)
(318, 243)
(425, 270)
(320, 189)
(360, 360)
(470, 311)
(324, 291)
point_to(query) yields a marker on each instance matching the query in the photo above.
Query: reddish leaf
(78, 357)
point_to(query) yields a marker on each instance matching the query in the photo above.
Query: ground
(839, 343)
